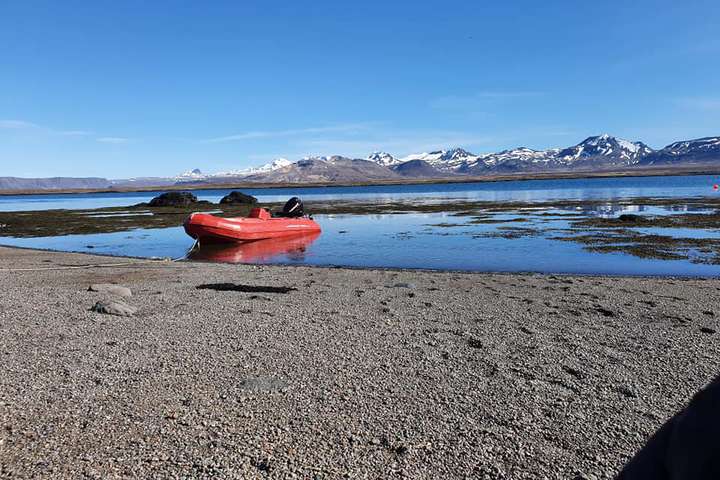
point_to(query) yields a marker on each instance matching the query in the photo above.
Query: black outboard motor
(293, 208)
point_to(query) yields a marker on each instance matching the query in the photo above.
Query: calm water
(527, 191)
(432, 241)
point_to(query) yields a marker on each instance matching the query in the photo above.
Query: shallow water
(520, 191)
(430, 241)
(447, 241)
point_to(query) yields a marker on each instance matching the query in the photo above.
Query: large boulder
(114, 307)
(238, 198)
(173, 199)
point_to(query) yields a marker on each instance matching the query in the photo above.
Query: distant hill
(54, 183)
(417, 169)
(326, 169)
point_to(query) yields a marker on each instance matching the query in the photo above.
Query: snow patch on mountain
(192, 175)
(384, 159)
(196, 174)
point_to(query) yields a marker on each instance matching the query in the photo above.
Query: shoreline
(648, 172)
(528, 273)
(355, 373)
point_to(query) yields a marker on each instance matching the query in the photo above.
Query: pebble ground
(355, 374)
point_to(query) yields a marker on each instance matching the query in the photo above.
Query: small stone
(474, 343)
(263, 384)
(707, 330)
(627, 391)
(110, 288)
(114, 307)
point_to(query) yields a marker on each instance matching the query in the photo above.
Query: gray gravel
(460, 376)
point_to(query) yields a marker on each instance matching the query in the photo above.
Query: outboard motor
(293, 208)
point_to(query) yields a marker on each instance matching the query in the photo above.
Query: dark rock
(173, 199)
(627, 391)
(707, 330)
(114, 307)
(605, 312)
(631, 218)
(235, 197)
(474, 343)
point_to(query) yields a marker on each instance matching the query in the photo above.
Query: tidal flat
(663, 229)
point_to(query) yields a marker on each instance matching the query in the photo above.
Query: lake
(509, 242)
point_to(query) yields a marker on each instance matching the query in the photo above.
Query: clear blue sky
(134, 88)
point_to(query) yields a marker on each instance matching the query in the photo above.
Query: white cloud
(16, 124)
(478, 100)
(74, 133)
(700, 103)
(252, 135)
(41, 129)
(113, 140)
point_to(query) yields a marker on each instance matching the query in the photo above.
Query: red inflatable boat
(259, 225)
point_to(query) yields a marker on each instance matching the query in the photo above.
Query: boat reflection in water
(259, 251)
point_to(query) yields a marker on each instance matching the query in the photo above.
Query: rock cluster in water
(238, 198)
(174, 199)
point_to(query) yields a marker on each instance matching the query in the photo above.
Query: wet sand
(354, 374)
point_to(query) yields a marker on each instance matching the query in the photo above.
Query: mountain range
(594, 154)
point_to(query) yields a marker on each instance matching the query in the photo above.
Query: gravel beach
(238, 371)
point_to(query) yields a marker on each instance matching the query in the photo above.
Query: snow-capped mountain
(606, 149)
(700, 150)
(692, 146)
(512, 160)
(196, 175)
(596, 153)
(268, 167)
(451, 160)
(326, 169)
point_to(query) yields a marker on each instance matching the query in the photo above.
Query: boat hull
(211, 229)
(293, 248)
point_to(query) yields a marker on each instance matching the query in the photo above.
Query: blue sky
(138, 88)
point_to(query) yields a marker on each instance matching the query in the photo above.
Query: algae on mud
(53, 223)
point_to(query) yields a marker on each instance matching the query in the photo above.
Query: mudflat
(237, 371)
